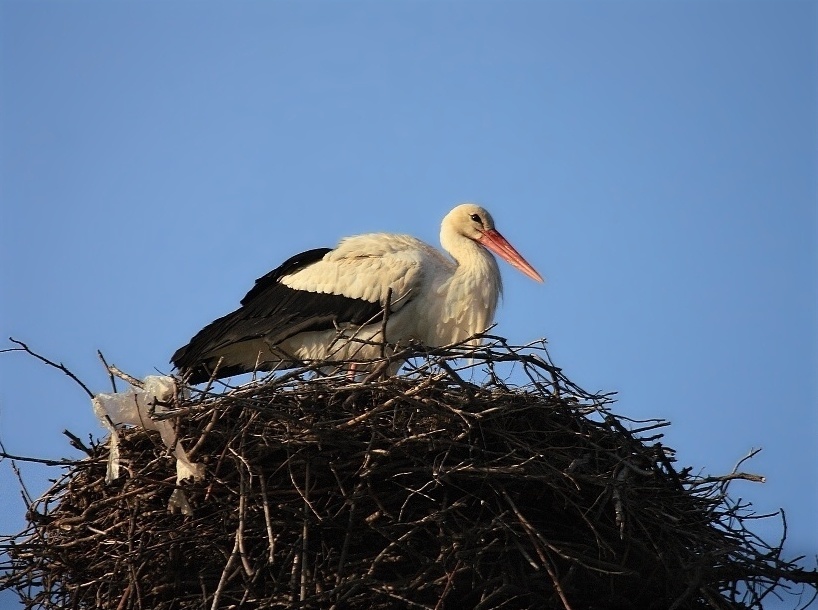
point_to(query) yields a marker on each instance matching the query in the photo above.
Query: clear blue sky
(657, 161)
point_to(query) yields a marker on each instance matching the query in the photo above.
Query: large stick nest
(424, 490)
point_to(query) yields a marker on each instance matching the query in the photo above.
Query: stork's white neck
(475, 287)
(472, 259)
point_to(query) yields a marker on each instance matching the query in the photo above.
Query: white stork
(294, 313)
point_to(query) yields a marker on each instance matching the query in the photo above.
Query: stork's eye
(476, 218)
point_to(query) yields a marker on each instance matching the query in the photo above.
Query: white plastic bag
(132, 408)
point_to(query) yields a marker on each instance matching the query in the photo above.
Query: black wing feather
(294, 263)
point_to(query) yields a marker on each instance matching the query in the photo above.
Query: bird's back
(367, 266)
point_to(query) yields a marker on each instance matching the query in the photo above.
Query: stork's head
(476, 224)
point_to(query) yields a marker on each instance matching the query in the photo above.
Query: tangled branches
(424, 490)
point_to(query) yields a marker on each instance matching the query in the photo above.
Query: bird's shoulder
(367, 266)
(389, 246)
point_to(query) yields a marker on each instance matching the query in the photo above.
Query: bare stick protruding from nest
(25, 348)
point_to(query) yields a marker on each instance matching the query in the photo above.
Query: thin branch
(25, 348)
(108, 369)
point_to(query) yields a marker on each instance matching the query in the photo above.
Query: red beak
(498, 244)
